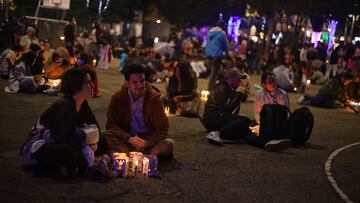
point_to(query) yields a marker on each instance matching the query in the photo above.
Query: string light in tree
(100, 7)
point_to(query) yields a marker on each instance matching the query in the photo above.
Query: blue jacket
(216, 44)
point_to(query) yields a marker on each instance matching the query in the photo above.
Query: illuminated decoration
(263, 24)
(315, 38)
(135, 163)
(261, 35)
(158, 21)
(150, 165)
(100, 7)
(325, 37)
(167, 110)
(233, 28)
(277, 37)
(220, 16)
(332, 29)
(156, 40)
(204, 95)
(106, 5)
(120, 164)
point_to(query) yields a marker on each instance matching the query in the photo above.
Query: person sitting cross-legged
(136, 119)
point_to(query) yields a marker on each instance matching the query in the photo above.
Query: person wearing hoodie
(216, 49)
(136, 119)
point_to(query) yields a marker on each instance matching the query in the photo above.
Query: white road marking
(330, 176)
(106, 91)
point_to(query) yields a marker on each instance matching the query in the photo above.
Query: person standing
(216, 49)
(70, 32)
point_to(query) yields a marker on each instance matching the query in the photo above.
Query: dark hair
(221, 23)
(133, 69)
(28, 57)
(34, 47)
(148, 72)
(264, 75)
(73, 80)
(85, 58)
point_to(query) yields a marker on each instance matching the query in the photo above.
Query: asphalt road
(200, 172)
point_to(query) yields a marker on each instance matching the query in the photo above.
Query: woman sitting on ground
(20, 78)
(182, 96)
(57, 143)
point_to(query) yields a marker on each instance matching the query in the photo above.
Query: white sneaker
(214, 138)
(301, 100)
(277, 145)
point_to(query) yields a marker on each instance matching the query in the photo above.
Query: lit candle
(204, 95)
(135, 163)
(94, 62)
(308, 82)
(167, 110)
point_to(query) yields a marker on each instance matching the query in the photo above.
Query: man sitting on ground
(136, 120)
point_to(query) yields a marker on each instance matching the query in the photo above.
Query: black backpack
(273, 121)
(300, 125)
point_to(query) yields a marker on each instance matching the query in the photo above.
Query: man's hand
(138, 143)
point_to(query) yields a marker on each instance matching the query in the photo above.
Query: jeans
(321, 99)
(230, 126)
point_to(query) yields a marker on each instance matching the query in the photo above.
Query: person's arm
(116, 118)
(158, 123)
(258, 104)
(60, 120)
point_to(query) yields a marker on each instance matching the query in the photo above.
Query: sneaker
(277, 145)
(301, 100)
(214, 138)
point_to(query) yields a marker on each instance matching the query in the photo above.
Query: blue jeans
(321, 99)
(28, 86)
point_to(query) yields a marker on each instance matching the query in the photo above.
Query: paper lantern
(135, 163)
(150, 165)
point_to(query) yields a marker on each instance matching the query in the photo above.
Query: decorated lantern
(150, 164)
(120, 164)
(135, 163)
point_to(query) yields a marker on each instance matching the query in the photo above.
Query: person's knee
(164, 147)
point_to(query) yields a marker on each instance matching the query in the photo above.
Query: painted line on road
(106, 91)
(330, 176)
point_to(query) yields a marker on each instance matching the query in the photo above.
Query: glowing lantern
(135, 163)
(120, 164)
(150, 164)
(204, 95)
